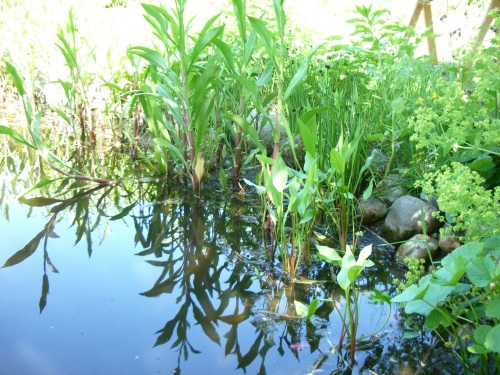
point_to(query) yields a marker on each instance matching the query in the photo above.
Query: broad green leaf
(368, 192)
(481, 271)
(308, 138)
(492, 341)
(493, 308)
(258, 188)
(279, 174)
(481, 163)
(398, 105)
(336, 161)
(410, 334)
(434, 320)
(413, 292)
(301, 308)
(477, 349)
(363, 256)
(481, 333)
(328, 254)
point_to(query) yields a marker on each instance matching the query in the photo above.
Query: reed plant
(181, 81)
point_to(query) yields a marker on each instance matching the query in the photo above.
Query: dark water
(152, 280)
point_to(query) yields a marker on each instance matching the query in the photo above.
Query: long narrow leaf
(18, 82)
(14, 134)
(299, 77)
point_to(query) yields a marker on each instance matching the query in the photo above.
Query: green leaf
(492, 341)
(410, 334)
(279, 174)
(228, 55)
(368, 192)
(15, 135)
(328, 254)
(38, 185)
(336, 161)
(266, 75)
(481, 271)
(260, 189)
(152, 56)
(205, 39)
(434, 320)
(175, 150)
(18, 82)
(299, 77)
(481, 163)
(301, 308)
(260, 27)
(493, 308)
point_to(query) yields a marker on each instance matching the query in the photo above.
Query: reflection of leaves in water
(206, 324)
(26, 251)
(45, 291)
(39, 201)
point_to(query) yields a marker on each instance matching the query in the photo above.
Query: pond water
(145, 278)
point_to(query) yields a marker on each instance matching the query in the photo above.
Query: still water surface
(152, 280)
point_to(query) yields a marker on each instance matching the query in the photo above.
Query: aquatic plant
(350, 270)
(460, 300)
(181, 80)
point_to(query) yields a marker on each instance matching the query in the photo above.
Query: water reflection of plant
(79, 203)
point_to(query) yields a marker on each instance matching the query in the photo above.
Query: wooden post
(486, 22)
(431, 42)
(426, 7)
(414, 17)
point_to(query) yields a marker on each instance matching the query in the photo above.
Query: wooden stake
(431, 42)
(486, 22)
(426, 7)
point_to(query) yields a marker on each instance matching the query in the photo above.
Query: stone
(404, 219)
(371, 210)
(391, 188)
(419, 246)
(265, 130)
(378, 161)
(287, 154)
(448, 243)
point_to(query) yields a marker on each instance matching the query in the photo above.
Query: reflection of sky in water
(96, 320)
